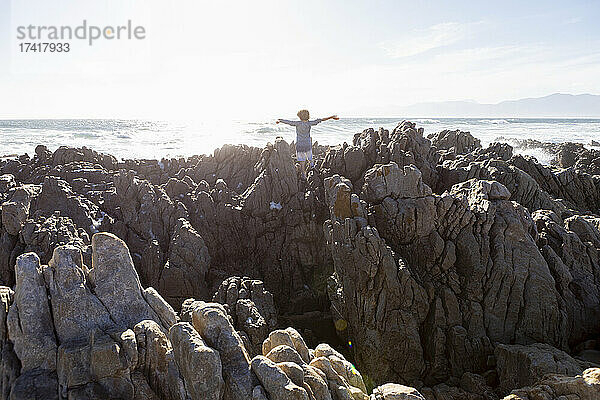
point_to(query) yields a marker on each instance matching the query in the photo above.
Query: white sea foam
(541, 155)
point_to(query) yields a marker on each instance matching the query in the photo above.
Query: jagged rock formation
(250, 307)
(449, 303)
(73, 331)
(70, 326)
(404, 146)
(426, 261)
(458, 142)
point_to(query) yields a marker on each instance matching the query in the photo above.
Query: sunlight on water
(156, 139)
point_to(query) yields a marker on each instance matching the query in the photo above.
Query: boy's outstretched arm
(286, 121)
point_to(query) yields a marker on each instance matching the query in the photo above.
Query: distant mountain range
(553, 106)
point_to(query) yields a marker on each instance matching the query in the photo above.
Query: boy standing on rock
(303, 139)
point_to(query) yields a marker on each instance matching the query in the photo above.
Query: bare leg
(303, 168)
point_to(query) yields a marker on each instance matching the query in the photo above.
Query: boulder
(75, 310)
(284, 353)
(289, 337)
(43, 234)
(199, 364)
(275, 381)
(116, 282)
(58, 195)
(211, 322)
(29, 319)
(520, 365)
(66, 154)
(7, 182)
(344, 368)
(276, 183)
(339, 388)
(390, 180)
(98, 368)
(157, 362)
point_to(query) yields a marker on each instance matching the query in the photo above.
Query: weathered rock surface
(446, 305)
(457, 141)
(420, 259)
(276, 383)
(199, 365)
(29, 319)
(250, 306)
(71, 331)
(16, 210)
(520, 365)
(585, 386)
(211, 321)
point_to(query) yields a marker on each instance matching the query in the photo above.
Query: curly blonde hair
(304, 115)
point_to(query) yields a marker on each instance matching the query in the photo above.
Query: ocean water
(157, 139)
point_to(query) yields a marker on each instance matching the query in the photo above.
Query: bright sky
(266, 59)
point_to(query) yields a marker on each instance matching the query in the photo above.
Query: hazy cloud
(422, 40)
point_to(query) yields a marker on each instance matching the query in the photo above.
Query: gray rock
(276, 183)
(43, 235)
(344, 368)
(293, 371)
(585, 386)
(58, 195)
(283, 353)
(460, 142)
(317, 381)
(142, 390)
(29, 319)
(338, 387)
(116, 282)
(289, 337)
(390, 180)
(75, 310)
(520, 365)
(35, 384)
(258, 393)
(199, 365)
(7, 182)
(156, 360)
(165, 312)
(425, 272)
(251, 306)
(572, 263)
(97, 368)
(184, 275)
(275, 381)
(211, 322)
(6, 299)
(16, 210)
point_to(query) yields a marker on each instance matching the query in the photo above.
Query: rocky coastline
(403, 267)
